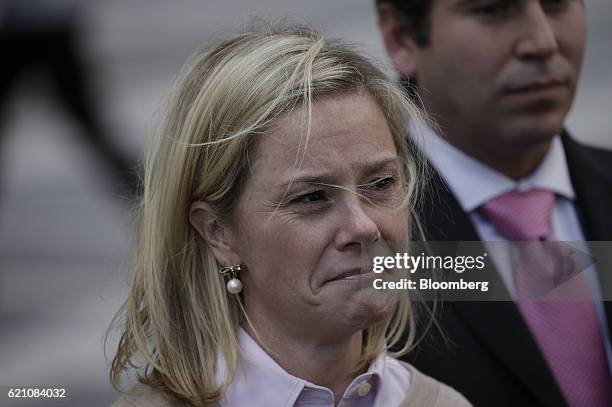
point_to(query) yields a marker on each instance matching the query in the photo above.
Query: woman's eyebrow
(373, 165)
(331, 176)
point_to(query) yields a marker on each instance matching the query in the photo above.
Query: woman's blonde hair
(178, 317)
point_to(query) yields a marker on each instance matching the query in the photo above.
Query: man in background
(499, 77)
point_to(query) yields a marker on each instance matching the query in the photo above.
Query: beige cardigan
(424, 392)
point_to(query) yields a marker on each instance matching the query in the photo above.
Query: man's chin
(533, 131)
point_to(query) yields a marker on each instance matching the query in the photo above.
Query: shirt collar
(259, 380)
(474, 183)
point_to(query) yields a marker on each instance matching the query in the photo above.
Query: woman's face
(307, 211)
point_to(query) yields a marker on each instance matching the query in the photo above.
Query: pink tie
(567, 332)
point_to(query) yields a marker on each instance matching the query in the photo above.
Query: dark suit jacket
(487, 352)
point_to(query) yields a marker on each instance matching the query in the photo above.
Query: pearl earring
(234, 285)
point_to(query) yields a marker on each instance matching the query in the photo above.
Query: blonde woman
(281, 159)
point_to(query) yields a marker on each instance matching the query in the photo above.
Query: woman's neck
(329, 364)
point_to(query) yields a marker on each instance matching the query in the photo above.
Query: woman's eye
(311, 197)
(383, 182)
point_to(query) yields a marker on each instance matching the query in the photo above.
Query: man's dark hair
(416, 13)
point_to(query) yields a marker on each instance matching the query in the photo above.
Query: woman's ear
(217, 235)
(398, 39)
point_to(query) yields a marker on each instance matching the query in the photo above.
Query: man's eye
(496, 9)
(310, 197)
(555, 5)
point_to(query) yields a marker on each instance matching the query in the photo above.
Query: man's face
(501, 71)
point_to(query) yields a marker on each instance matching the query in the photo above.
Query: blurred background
(81, 82)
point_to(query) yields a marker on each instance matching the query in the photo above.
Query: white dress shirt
(474, 183)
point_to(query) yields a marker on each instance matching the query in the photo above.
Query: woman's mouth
(351, 275)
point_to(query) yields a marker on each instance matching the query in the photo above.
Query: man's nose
(357, 226)
(538, 39)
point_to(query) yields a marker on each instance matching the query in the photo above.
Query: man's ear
(216, 234)
(399, 41)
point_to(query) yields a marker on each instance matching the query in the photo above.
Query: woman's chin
(367, 311)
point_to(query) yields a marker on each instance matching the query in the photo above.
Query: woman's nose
(356, 226)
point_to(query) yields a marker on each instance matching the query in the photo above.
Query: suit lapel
(591, 174)
(442, 215)
(497, 324)
(502, 329)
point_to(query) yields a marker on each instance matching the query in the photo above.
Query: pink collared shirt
(262, 382)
